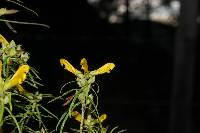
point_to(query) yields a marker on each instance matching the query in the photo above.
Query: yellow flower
(104, 69)
(68, 66)
(77, 117)
(3, 40)
(102, 117)
(17, 78)
(84, 65)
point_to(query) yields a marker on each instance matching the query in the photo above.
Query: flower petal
(68, 66)
(102, 117)
(84, 65)
(104, 69)
(18, 77)
(20, 89)
(76, 115)
(3, 40)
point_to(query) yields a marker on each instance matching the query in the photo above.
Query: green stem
(24, 23)
(1, 112)
(14, 119)
(82, 117)
(7, 68)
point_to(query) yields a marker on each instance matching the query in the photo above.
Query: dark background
(136, 94)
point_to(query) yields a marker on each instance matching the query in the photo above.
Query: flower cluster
(104, 69)
(86, 77)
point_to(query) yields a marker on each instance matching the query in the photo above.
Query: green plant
(19, 107)
(22, 106)
(84, 98)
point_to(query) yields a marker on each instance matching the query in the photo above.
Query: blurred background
(155, 85)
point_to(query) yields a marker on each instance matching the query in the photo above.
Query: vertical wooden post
(184, 63)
